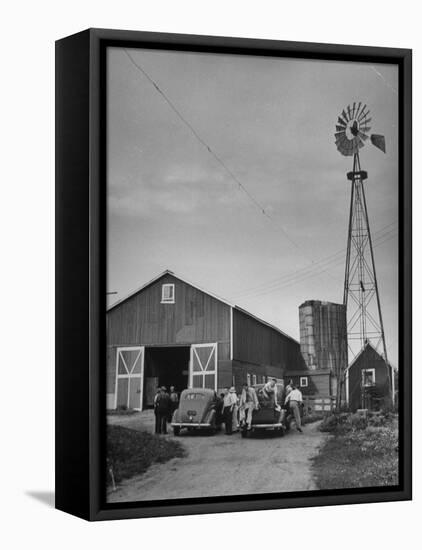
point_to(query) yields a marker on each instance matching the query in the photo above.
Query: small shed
(171, 332)
(369, 380)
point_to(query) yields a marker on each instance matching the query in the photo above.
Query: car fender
(210, 416)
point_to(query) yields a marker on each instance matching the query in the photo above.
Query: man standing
(248, 403)
(163, 408)
(294, 400)
(230, 400)
(174, 402)
(157, 421)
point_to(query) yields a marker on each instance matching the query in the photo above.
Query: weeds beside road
(131, 453)
(360, 454)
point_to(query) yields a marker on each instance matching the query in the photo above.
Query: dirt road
(224, 465)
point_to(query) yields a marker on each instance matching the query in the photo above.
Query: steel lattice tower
(361, 294)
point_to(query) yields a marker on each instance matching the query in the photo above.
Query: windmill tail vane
(352, 130)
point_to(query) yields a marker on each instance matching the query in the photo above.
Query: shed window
(167, 294)
(368, 377)
(303, 382)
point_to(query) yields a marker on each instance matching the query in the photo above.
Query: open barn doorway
(165, 366)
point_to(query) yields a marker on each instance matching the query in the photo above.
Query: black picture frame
(80, 271)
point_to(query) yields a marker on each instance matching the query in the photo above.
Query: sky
(177, 154)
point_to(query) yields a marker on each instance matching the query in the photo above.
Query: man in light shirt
(294, 401)
(247, 404)
(269, 392)
(230, 401)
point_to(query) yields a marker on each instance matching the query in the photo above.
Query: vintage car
(267, 417)
(197, 410)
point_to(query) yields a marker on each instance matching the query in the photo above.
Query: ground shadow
(45, 497)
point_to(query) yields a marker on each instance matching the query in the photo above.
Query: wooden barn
(369, 380)
(170, 332)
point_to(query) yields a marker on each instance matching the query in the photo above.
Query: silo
(323, 335)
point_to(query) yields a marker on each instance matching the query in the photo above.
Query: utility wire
(324, 262)
(210, 150)
(297, 277)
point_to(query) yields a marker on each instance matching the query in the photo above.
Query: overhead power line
(211, 151)
(300, 275)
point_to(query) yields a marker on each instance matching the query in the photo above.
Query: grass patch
(131, 452)
(121, 412)
(358, 457)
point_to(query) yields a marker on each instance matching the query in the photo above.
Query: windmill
(361, 295)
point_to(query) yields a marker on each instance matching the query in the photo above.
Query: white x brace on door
(129, 377)
(203, 366)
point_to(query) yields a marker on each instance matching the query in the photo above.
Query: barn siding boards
(257, 343)
(195, 317)
(319, 383)
(369, 358)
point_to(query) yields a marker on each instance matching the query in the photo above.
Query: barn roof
(363, 350)
(234, 306)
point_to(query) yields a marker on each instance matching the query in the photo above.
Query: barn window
(167, 294)
(254, 379)
(248, 379)
(303, 382)
(368, 377)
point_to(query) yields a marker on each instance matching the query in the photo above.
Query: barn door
(203, 366)
(129, 377)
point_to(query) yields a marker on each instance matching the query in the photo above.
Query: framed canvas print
(233, 274)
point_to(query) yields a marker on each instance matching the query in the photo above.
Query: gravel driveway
(223, 465)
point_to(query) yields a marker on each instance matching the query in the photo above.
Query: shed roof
(365, 347)
(233, 306)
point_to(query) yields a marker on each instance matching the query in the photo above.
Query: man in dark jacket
(162, 404)
(174, 401)
(157, 423)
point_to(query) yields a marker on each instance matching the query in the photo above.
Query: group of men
(233, 410)
(164, 406)
(236, 411)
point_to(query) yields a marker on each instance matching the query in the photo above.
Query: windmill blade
(343, 114)
(340, 128)
(362, 135)
(365, 129)
(378, 141)
(358, 109)
(363, 114)
(342, 122)
(349, 112)
(353, 110)
(367, 121)
(337, 135)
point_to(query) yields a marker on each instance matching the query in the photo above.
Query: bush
(329, 423)
(358, 421)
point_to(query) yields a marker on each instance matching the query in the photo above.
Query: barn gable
(182, 335)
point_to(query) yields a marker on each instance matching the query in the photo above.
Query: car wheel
(176, 430)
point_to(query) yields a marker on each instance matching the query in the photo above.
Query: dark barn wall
(318, 383)
(142, 320)
(368, 359)
(261, 349)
